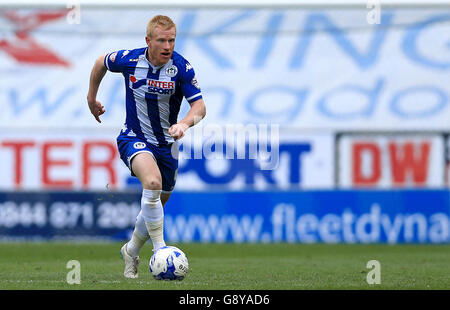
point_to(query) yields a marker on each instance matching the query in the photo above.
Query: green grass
(230, 266)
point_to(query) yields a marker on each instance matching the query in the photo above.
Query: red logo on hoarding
(408, 159)
(90, 164)
(23, 47)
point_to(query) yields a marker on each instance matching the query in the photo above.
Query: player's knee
(151, 183)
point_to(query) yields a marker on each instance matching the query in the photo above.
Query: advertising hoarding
(361, 216)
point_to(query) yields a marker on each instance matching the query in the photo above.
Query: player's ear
(147, 40)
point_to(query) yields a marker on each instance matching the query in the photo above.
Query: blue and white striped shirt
(153, 94)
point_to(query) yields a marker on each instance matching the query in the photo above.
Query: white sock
(153, 215)
(140, 227)
(139, 237)
(156, 231)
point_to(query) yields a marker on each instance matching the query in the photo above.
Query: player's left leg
(144, 166)
(168, 167)
(165, 197)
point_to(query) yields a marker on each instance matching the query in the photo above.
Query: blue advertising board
(331, 216)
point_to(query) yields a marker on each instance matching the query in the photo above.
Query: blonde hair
(162, 21)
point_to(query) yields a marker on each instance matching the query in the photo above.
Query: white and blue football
(169, 263)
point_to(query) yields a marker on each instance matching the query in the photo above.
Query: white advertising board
(90, 161)
(332, 69)
(391, 160)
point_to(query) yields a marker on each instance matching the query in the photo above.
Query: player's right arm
(97, 74)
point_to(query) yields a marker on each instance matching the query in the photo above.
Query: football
(169, 263)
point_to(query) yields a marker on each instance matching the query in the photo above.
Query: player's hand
(97, 109)
(177, 130)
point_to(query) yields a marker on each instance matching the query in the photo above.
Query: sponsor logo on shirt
(154, 86)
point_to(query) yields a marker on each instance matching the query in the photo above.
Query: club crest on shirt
(171, 71)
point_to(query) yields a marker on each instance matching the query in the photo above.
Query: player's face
(161, 45)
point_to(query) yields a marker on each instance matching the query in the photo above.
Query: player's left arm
(195, 114)
(192, 92)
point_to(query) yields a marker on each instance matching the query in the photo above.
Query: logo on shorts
(171, 71)
(139, 145)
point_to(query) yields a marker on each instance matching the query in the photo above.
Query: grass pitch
(230, 267)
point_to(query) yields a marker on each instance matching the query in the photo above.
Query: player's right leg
(131, 263)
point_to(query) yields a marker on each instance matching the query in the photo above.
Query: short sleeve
(189, 84)
(115, 61)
